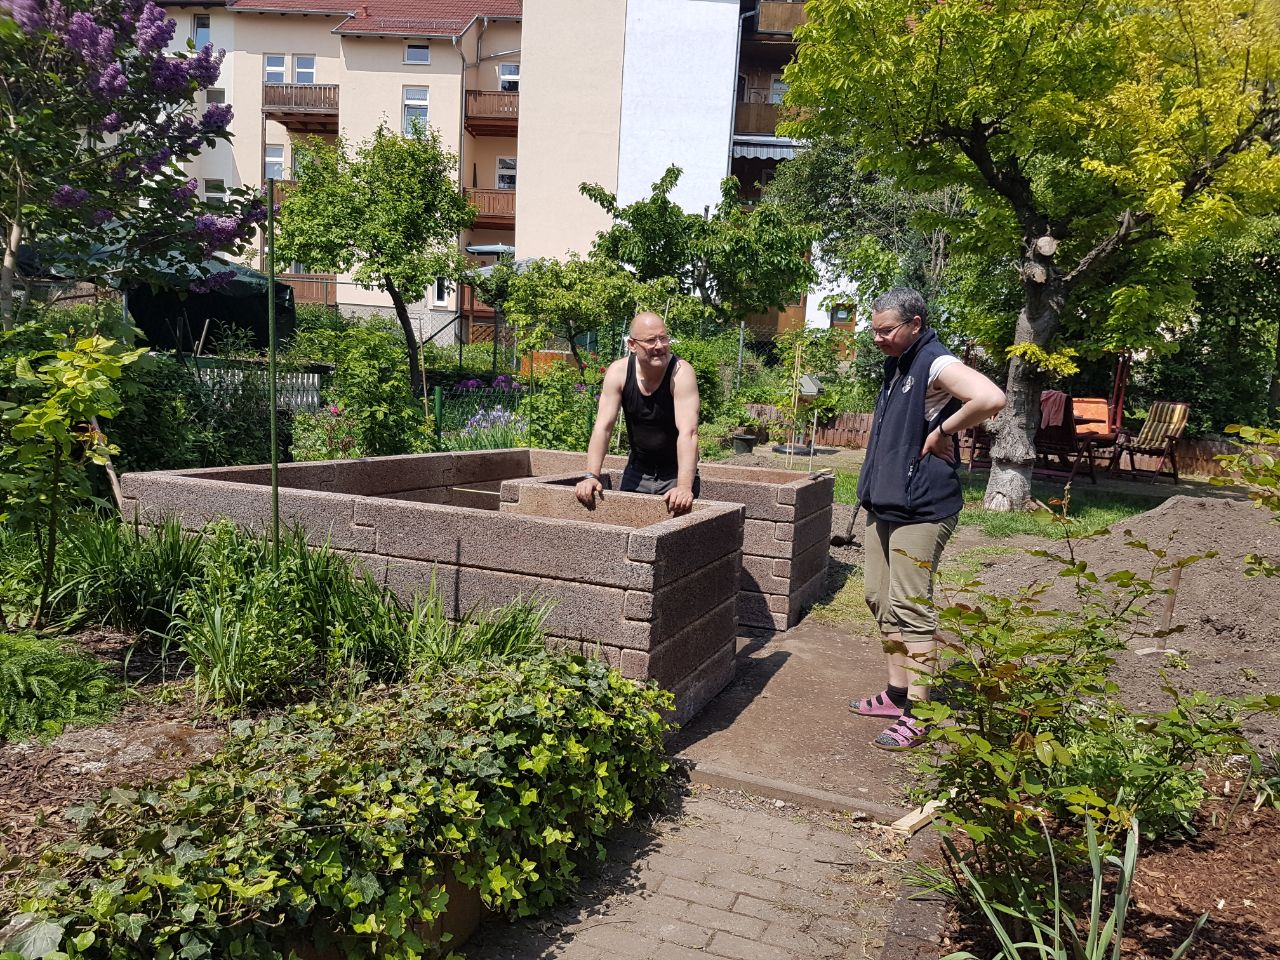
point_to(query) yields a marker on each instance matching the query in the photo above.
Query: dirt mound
(1228, 644)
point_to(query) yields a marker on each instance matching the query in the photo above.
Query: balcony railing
(312, 287)
(300, 97)
(492, 105)
(758, 118)
(494, 208)
(780, 16)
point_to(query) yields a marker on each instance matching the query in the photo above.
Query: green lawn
(1091, 509)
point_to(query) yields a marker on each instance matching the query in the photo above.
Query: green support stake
(437, 404)
(271, 371)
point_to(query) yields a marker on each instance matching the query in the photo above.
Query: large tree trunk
(1013, 450)
(410, 338)
(1275, 379)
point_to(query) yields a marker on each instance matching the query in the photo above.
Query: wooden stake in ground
(1166, 617)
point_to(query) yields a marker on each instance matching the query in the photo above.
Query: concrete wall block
(697, 690)
(515, 543)
(320, 475)
(690, 598)
(804, 598)
(638, 605)
(559, 502)
(810, 564)
(760, 500)
(815, 528)
(635, 664)
(472, 466)
(781, 568)
(579, 611)
(766, 476)
(683, 654)
(684, 544)
(758, 539)
(758, 577)
(814, 495)
(379, 476)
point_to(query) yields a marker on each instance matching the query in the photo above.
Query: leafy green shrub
(1029, 733)
(327, 434)
(1257, 469)
(370, 383)
(715, 364)
(336, 826)
(561, 408)
(44, 687)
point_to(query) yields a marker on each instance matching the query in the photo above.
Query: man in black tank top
(658, 396)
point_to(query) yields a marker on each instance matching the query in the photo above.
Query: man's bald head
(646, 324)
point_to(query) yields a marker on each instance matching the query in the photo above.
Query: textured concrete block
(813, 495)
(760, 500)
(318, 475)
(379, 476)
(682, 654)
(815, 528)
(676, 606)
(696, 691)
(810, 564)
(478, 465)
(679, 545)
(559, 502)
(759, 539)
(760, 475)
(758, 575)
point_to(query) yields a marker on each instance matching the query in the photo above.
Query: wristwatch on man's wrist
(592, 476)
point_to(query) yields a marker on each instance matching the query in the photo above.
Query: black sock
(897, 695)
(906, 710)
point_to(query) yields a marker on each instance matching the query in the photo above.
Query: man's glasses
(885, 332)
(651, 342)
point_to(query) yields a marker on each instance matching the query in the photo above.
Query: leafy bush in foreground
(335, 826)
(44, 687)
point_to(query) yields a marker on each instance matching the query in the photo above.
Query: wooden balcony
(302, 107)
(757, 118)
(491, 113)
(474, 309)
(282, 187)
(312, 287)
(494, 208)
(780, 17)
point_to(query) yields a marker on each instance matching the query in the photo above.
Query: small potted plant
(747, 434)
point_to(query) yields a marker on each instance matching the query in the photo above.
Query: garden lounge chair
(1158, 438)
(1058, 447)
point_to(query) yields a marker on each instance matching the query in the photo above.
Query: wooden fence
(853, 430)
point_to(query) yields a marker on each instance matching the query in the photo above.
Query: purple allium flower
(111, 82)
(27, 13)
(102, 216)
(68, 196)
(186, 191)
(169, 74)
(87, 38)
(205, 66)
(217, 116)
(155, 30)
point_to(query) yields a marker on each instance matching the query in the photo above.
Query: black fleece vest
(896, 484)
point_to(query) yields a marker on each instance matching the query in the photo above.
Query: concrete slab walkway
(725, 877)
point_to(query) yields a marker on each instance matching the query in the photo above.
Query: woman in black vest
(911, 494)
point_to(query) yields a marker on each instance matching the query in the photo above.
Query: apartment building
(327, 68)
(546, 94)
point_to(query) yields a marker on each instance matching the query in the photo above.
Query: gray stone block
(696, 691)
(759, 539)
(680, 545)
(674, 607)
(812, 563)
(813, 529)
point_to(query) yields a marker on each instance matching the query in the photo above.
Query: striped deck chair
(1158, 438)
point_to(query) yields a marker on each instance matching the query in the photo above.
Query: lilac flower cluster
(155, 30)
(214, 281)
(67, 196)
(27, 13)
(218, 231)
(187, 191)
(217, 117)
(111, 83)
(101, 216)
(205, 66)
(89, 40)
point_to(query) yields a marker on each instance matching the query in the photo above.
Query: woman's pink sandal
(908, 732)
(878, 706)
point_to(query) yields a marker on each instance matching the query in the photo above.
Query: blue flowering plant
(96, 186)
(491, 428)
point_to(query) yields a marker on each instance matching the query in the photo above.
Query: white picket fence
(296, 390)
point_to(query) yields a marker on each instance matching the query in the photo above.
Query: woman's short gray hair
(905, 301)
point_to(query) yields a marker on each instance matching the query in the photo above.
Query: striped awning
(765, 148)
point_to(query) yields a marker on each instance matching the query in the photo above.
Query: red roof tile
(412, 18)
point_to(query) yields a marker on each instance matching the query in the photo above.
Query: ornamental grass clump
(336, 825)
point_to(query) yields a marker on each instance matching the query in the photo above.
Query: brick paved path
(740, 881)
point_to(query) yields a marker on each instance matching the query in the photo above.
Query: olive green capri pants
(895, 583)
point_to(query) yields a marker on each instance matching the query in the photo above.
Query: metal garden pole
(271, 371)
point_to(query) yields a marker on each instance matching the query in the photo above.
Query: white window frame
(426, 47)
(408, 100)
(509, 78)
(440, 292)
(268, 69)
(215, 194)
(777, 89)
(499, 173)
(268, 160)
(299, 70)
(195, 29)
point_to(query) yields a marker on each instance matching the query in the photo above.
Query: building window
(509, 77)
(273, 160)
(506, 173)
(415, 109)
(215, 192)
(417, 53)
(215, 95)
(777, 89)
(304, 69)
(440, 292)
(273, 68)
(841, 312)
(200, 30)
